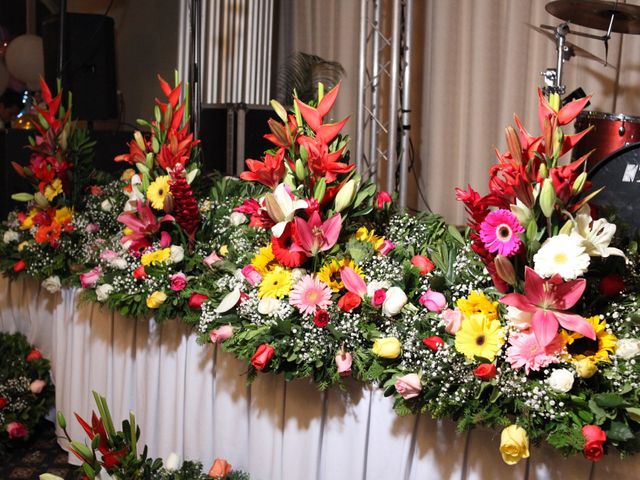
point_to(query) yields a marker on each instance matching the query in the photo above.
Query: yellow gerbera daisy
(63, 215)
(330, 272)
(264, 261)
(597, 350)
(154, 258)
(479, 336)
(365, 235)
(52, 190)
(477, 302)
(276, 283)
(158, 191)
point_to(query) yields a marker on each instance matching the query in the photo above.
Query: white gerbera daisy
(562, 254)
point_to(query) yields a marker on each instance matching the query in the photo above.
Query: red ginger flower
(185, 207)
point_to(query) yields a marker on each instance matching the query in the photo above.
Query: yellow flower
(157, 191)
(477, 302)
(156, 299)
(597, 350)
(264, 261)
(387, 347)
(23, 245)
(365, 235)
(27, 224)
(276, 283)
(127, 174)
(479, 336)
(514, 444)
(127, 231)
(224, 250)
(154, 258)
(52, 190)
(330, 272)
(586, 368)
(63, 215)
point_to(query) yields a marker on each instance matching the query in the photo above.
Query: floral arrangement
(547, 351)
(26, 392)
(116, 454)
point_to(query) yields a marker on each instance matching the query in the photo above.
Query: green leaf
(619, 431)
(455, 234)
(191, 176)
(609, 400)
(634, 413)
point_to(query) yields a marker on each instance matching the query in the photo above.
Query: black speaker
(89, 71)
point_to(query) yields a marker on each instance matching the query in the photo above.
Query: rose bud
(220, 334)
(611, 285)
(485, 371)
(262, 356)
(34, 354)
(349, 301)
(433, 301)
(379, 297)
(19, 266)
(196, 300)
(409, 386)
(383, 199)
(3, 402)
(433, 343)
(386, 247)
(37, 386)
(252, 275)
(220, 468)
(16, 430)
(343, 362)
(452, 320)
(594, 438)
(422, 263)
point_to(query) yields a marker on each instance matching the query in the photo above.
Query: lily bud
(41, 200)
(554, 101)
(505, 269)
(321, 188)
(567, 228)
(290, 180)
(95, 441)
(273, 209)
(578, 185)
(168, 204)
(279, 109)
(83, 451)
(300, 171)
(543, 172)
(547, 198)
(320, 91)
(513, 143)
(139, 140)
(346, 195)
(155, 146)
(62, 422)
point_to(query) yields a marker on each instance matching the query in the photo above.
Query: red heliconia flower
(314, 116)
(185, 207)
(51, 111)
(177, 151)
(268, 172)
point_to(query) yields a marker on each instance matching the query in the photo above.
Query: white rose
(518, 318)
(103, 291)
(394, 301)
(172, 463)
(561, 380)
(177, 254)
(118, 262)
(627, 348)
(51, 284)
(376, 285)
(237, 218)
(106, 205)
(10, 236)
(268, 306)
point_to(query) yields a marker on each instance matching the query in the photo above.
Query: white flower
(10, 236)
(561, 380)
(103, 292)
(229, 301)
(297, 274)
(281, 208)
(237, 218)
(106, 205)
(562, 254)
(118, 262)
(627, 348)
(518, 318)
(394, 301)
(177, 254)
(268, 306)
(51, 284)
(596, 234)
(172, 463)
(237, 274)
(134, 195)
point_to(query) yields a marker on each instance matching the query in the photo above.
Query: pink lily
(143, 222)
(547, 300)
(353, 282)
(314, 235)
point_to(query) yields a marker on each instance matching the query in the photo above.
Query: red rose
(139, 272)
(611, 285)
(34, 354)
(19, 266)
(434, 342)
(16, 430)
(196, 300)
(262, 356)
(594, 438)
(321, 318)
(379, 297)
(383, 199)
(422, 263)
(3, 402)
(485, 371)
(349, 301)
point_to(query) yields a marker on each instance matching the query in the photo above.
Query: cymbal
(597, 14)
(574, 50)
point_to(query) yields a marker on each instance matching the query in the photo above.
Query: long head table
(195, 401)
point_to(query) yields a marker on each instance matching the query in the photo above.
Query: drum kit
(615, 160)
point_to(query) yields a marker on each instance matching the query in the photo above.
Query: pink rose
(221, 334)
(211, 259)
(196, 300)
(386, 247)
(383, 199)
(90, 278)
(422, 263)
(165, 240)
(452, 320)
(108, 255)
(178, 281)
(343, 362)
(92, 228)
(251, 274)
(433, 301)
(408, 386)
(379, 297)
(16, 430)
(37, 386)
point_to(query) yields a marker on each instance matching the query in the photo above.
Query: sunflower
(264, 261)
(276, 283)
(479, 336)
(330, 272)
(365, 235)
(477, 302)
(597, 350)
(158, 191)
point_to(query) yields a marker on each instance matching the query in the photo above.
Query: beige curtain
(474, 64)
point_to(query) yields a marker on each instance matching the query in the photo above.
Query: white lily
(596, 234)
(134, 195)
(281, 208)
(229, 301)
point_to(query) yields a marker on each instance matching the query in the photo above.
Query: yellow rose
(22, 245)
(224, 250)
(388, 347)
(586, 368)
(514, 444)
(154, 258)
(156, 299)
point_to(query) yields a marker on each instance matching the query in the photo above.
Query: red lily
(321, 162)
(110, 456)
(282, 135)
(268, 172)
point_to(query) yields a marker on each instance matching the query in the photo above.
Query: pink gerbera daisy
(525, 351)
(499, 232)
(309, 294)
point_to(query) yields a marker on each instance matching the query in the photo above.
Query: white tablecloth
(195, 401)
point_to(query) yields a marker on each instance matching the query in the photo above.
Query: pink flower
(547, 300)
(433, 301)
(108, 255)
(422, 263)
(379, 297)
(178, 281)
(251, 274)
(37, 386)
(525, 351)
(409, 386)
(165, 240)
(90, 278)
(353, 282)
(386, 247)
(499, 232)
(196, 300)
(220, 334)
(315, 236)
(143, 223)
(452, 320)
(92, 228)
(211, 259)
(343, 362)
(16, 430)
(383, 199)
(309, 294)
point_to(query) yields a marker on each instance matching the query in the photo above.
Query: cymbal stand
(553, 76)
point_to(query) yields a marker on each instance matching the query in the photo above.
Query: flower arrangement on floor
(115, 454)
(26, 392)
(39, 239)
(549, 350)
